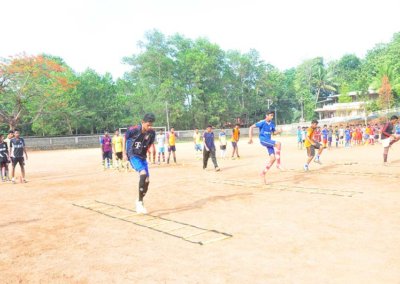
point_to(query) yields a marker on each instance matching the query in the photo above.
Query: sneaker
(305, 167)
(317, 161)
(140, 208)
(217, 169)
(13, 181)
(280, 167)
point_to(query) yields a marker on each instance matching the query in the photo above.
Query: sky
(97, 34)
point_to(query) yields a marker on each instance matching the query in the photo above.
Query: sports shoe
(305, 167)
(262, 174)
(317, 161)
(13, 181)
(280, 167)
(140, 208)
(217, 169)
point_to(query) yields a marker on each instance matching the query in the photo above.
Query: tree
(29, 87)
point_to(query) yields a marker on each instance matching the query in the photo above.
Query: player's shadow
(198, 204)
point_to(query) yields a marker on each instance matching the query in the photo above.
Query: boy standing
(209, 148)
(235, 141)
(138, 139)
(106, 150)
(222, 143)
(7, 140)
(197, 143)
(16, 152)
(4, 158)
(171, 138)
(161, 145)
(117, 148)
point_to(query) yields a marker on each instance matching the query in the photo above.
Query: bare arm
(251, 133)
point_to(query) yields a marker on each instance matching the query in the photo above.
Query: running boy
(138, 139)
(388, 137)
(267, 129)
(311, 144)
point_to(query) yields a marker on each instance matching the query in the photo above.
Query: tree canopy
(196, 81)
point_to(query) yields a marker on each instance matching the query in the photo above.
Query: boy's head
(237, 125)
(106, 133)
(394, 119)
(209, 128)
(116, 132)
(269, 115)
(147, 121)
(196, 130)
(314, 124)
(172, 130)
(10, 134)
(161, 131)
(16, 133)
(325, 126)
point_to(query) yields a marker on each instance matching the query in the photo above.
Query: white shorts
(386, 142)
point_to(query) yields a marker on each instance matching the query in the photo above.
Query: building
(331, 108)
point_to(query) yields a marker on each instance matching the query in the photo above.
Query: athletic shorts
(118, 155)
(222, 147)
(107, 155)
(329, 139)
(161, 149)
(324, 141)
(3, 163)
(234, 144)
(172, 149)
(18, 160)
(197, 147)
(299, 140)
(139, 165)
(311, 151)
(386, 142)
(269, 144)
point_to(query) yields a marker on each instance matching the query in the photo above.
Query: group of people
(12, 150)
(346, 136)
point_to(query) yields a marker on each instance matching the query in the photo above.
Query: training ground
(337, 223)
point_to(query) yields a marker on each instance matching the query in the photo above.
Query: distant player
(330, 136)
(16, 153)
(160, 138)
(197, 143)
(347, 136)
(106, 150)
(117, 142)
(171, 139)
(337, 137)
(324, 134)
(235, 141)
(4, 158)
(137, 140)
(388, 137)
(311, 144)
(267, 129)
(299, 138)
(209, 148)
(10, 135)
(222, 143)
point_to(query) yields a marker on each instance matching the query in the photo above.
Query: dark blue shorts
(172, 148)
(269, 144)
(139, 165)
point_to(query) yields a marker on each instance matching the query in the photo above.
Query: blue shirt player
(136, 142)
(267, 129)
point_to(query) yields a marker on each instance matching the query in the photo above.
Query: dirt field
(337, 223)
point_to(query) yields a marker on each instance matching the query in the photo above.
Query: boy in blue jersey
(267, 128)
(347, 134)
(137, 141)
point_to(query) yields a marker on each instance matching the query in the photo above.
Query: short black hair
(314, 121)
(270, 111)
(149, 117)
(11, 132)
(209, 126)
(394, 117)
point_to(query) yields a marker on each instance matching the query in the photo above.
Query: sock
(278, 157)
(174, 159)
(385, 158)
(142, 185)
(317, 157)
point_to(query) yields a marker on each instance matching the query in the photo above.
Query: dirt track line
(288, 187)
(184, 231)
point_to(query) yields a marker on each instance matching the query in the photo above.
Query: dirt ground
(337, 223)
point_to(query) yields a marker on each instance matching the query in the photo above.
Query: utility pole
(269, 102)
(166, 110)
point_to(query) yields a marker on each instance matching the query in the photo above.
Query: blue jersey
(324, 133)
(347, 133)
(266, 130)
